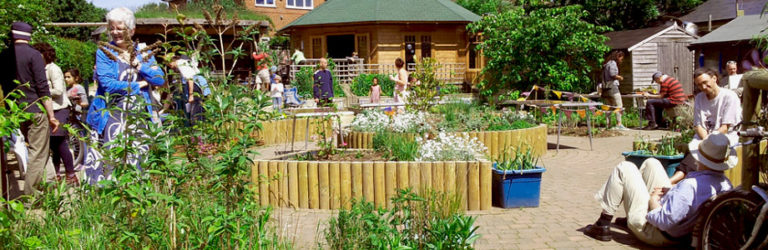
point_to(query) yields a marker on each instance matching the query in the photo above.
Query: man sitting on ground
(670, 95)
(657, 214)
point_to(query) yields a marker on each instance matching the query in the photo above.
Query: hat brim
(729, 163)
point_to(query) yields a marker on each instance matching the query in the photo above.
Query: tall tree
(77, 11)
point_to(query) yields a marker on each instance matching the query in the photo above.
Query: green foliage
(361, 85)
(423, 95)
(194, 9)
(415, 222)
(11, 116)
(33, 12)
(547, 47)
(621, 15)
(481, 7)
(396, 146)
(74, 54)
(521, 161)
(304, 81)
(450, 89)
(75, 11)
(666, 146)
(462, 117)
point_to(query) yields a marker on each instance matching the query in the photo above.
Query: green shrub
(361, 85)
(521, 161)
(415, 222)
(449, 89)
(75, 54)
(304, 81)
(395, 146)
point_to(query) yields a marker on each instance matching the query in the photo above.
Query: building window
(426, 46)
(410, 49)
(267, 3)
(299, 4)
(317, 47)
(474, 56)
(362, 46)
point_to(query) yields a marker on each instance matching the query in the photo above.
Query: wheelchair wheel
(727, 221)
(77, 147)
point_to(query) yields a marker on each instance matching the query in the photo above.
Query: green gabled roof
(350, 11)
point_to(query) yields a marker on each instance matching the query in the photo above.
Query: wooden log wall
(497, 142)
(279, 131)
(333, 185)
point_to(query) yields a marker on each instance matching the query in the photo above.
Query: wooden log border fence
(333, 185)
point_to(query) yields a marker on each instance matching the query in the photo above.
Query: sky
(131, 4)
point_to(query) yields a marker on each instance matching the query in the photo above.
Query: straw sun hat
(714, 152)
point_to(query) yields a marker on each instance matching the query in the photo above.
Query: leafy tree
(75, 11)
(481, 7)
(34, 12)
(635, 14)
(548, 46)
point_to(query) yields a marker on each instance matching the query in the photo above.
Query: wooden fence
(347, 70)
(497, 142)
(333, 185)
(282, 131)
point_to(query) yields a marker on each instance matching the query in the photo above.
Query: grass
(195, 10)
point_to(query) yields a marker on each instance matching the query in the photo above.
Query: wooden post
(314, 192)
(438, 176)
(274, 185)
(494, 145)
(379, 191)
(473, 185)
(414, 176)
(283, 198)
(461, 182)
(449, 180)
(357, 180)
(426, 177)
(263, 183)
(489, 143)
(485, 185)
(390, 185)
(324, 185)
(254, 177)
(510, 143)
(303, 184)
(346, 185)
(335, 183)
(293, 183)
(368, 185)
(402, 175)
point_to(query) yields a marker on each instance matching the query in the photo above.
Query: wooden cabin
(731, 42)
(380, 33)
(663, 48)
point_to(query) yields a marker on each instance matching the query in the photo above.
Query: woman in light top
(401, 82)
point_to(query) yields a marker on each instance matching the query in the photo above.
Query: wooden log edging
(333, 185)
(279, 131)
(496, 141)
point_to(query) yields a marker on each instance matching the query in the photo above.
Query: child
(76, 92)
(375, 91)
(277, 93)
(194, 86)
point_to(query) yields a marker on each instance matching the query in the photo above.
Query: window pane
(270, 2)
(299, 3)
(289, 3)
(259, 1)
(308, 3)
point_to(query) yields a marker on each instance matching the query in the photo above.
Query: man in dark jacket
(24, 64)
(323, 87)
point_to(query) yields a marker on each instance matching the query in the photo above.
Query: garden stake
(559, 125)
(589, 128)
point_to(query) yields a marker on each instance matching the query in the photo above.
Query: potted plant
(517, 181)
(667, 151)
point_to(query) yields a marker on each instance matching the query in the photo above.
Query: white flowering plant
(376, 120)
(371, 120)
(449, 147)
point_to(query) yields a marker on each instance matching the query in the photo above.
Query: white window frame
(265, 4)
(300, 8)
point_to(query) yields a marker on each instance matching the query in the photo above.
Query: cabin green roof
(353, 11)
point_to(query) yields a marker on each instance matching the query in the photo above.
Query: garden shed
(380, 31)
(663, 48)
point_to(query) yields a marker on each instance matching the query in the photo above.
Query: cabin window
(362, 46)
(317, 47)
(299, 4)
(267, 3)
(410, 49)
(426, 46)
(474, 55)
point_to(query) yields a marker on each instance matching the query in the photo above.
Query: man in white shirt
(732, 79)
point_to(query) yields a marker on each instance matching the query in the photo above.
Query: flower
(448, 147)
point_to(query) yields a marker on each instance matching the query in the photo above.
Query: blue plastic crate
(670, 163)
(517, 188)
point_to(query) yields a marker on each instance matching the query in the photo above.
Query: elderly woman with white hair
(123, 92)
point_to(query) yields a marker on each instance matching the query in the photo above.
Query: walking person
(126, 84)
(323, 87)
(610, 84)
(670, 95)
(24, 64)
(401, 83)
(59, 143)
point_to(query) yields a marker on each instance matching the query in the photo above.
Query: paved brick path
(573, 175)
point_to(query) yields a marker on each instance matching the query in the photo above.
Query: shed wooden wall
(648, 58)
(387, 41)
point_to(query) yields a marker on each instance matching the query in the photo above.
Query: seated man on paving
(670, 95)
(657, 214)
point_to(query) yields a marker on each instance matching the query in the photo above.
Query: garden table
(559, 105)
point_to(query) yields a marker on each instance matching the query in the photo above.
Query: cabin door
(677, 61)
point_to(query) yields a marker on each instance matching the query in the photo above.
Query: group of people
(32, 70)
(661, 209)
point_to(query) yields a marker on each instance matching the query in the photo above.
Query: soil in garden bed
(582, 131)
(344, 155)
